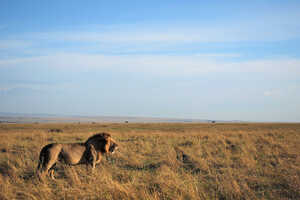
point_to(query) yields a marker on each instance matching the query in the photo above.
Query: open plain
(158, 161)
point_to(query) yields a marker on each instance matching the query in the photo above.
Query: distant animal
(89, 153)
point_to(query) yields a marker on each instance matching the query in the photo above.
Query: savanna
(158, 161)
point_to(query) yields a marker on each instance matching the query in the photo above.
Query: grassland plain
(158, 161)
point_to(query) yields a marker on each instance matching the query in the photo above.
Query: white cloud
(272, 93)
(14, 44)
(158, 37)
(194, 33)
(4, 89)
(281, 68)
(270, 25)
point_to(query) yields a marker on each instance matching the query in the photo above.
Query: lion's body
(88, 153)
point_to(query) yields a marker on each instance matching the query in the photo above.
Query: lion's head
(103, 143)
(113, 147)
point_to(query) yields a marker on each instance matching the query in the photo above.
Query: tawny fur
(89, 153)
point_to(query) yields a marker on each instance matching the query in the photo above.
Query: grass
(158, 161)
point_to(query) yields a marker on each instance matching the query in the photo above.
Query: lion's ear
(106, 135)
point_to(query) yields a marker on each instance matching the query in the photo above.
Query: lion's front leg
(51, 174)
(99, 157)
(91, 157)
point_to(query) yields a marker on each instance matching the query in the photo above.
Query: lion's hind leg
(48, 159)
(43, 159)
(47, 168)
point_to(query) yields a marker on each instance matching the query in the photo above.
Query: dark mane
(101, 136)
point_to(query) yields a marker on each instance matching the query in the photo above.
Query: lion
(89, 153)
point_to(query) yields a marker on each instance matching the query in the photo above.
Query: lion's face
(113, 147)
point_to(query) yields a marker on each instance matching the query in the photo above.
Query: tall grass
(158, 161)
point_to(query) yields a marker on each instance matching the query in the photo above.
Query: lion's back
(72, 153)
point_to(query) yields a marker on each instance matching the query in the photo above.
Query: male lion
(89, 153)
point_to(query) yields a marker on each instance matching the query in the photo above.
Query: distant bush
(55, 130)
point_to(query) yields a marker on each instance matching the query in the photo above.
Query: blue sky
(194, 59)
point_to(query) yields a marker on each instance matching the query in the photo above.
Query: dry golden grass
(158, 161)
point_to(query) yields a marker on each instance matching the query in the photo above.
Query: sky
(218, 60)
